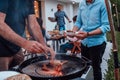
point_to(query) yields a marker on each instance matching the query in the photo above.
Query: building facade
(47, 8)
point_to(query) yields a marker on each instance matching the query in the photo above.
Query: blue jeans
(62, 27)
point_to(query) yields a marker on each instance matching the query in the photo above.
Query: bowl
(6, 74)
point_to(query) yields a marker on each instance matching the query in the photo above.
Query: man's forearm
(37, 34)
(7, 33)
(95, 32)
(34, 27)
(67, 17)
(75, 28)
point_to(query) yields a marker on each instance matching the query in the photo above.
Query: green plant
(110, 72)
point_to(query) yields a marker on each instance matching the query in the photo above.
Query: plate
(72, 34)
(52, 19)
(6, 74)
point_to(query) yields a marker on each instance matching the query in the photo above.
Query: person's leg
(62, 28)
(17, 59)
(96, 54)
(4, 63)
(84, 51)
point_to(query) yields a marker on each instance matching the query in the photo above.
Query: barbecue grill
(74, 68)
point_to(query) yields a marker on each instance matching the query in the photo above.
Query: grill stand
(87, 75)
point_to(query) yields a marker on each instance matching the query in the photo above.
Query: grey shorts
(8, 62)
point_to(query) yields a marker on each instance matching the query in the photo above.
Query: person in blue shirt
(92, 24)
(59, 16)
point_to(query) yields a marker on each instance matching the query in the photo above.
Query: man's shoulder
(100, 1)
(63, 11)
(56, 12)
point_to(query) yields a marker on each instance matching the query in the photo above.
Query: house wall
(75, 7)
(49, 8)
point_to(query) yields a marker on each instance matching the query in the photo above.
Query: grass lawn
(110, 72)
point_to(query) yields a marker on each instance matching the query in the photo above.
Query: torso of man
(16, 13)
(60, 17)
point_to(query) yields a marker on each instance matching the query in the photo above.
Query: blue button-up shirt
(59, 15)
(90, 17)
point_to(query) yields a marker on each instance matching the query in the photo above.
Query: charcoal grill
(74, 68)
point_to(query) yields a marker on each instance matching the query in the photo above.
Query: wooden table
(55, 39)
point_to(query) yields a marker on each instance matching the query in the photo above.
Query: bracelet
(88, 34)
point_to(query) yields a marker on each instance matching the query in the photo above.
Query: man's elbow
(105, 29)
(2, 21)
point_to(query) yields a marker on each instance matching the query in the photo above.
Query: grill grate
(73, 68)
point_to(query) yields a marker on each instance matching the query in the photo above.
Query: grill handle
(88, 61)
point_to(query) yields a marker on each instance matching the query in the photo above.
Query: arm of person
(101, 30)
(55, 16)
(7, 33)
(104, 23)
(81, 34)
(33, 25)
(67, 17)
(34, 28)
(78, 22)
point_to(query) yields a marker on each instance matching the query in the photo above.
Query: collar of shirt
(89, 1)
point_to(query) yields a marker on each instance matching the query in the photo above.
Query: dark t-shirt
(16, 12)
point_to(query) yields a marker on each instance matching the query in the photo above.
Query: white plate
(6, 74)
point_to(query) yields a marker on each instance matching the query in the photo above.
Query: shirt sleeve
(55, 16)
(104, 19)
(65, 15)
(78, 22)
(3, 6)
(31, 7)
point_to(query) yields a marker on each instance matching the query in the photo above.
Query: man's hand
(52, 52)
(81, 35)
(34, 47)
